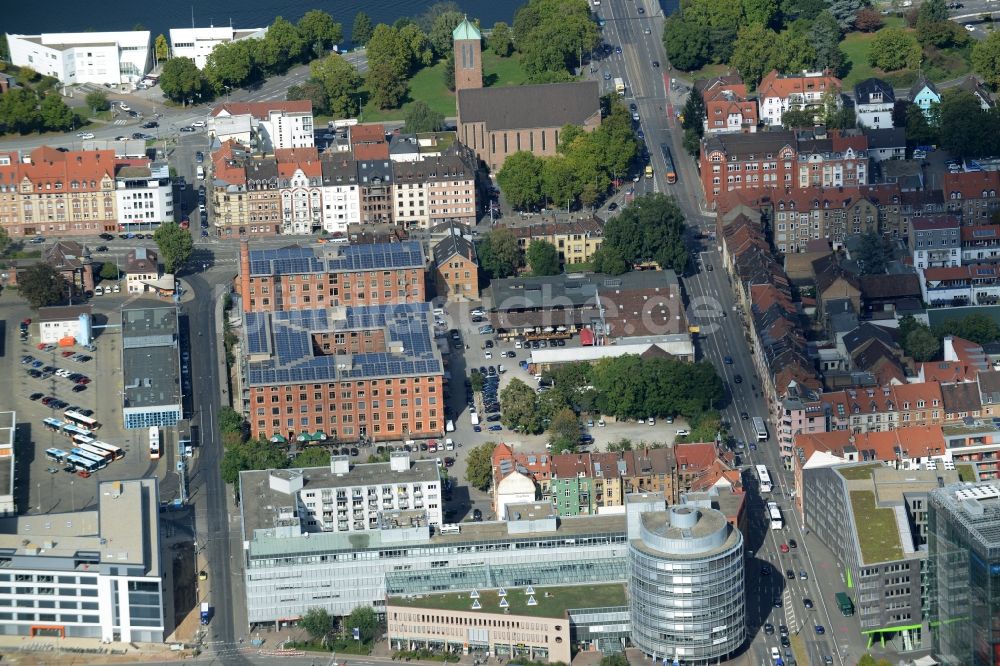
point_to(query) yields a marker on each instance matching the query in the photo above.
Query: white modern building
(8, 430)
(144, 196)
(198, 43)
(86, 574)
(85, 57)
(64, 321)
(340, 194)
(275, 125)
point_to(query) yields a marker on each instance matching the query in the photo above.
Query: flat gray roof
(150, 367)
(8, 423)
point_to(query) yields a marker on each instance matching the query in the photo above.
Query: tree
(388, 66)
(919, 131)
(109, 271)
(694, 113)
(362, 29)
(386, 86)
(182, 81)
(961, 129)
(519, 407)
(651, 229)
(317, 623)
(422, 118)
(312, 90)
(319, 31)
(687, 44)
(477, 381)
(759, 11)
(986, 58)
(564, 431)
(894, 49)
(19, 111)
(500, 40)
(230, 421)
(4, 241)
(341, 82)
(479, 466)
(448, 72)
(868, 20)
(233, 64)
(441, 29)
(55, 114)
(417, 45)
(797, 118)
(753, 52)
(845, 10)
(520, 179)
(499, 253)
(976, 327)
(543, 258)
(918, 341)
(161, 48)
(96, 101)
(933, 26)
(872, 256)
(551, 35)
(314, 456)
(363, 619)
(175, 245)
(560, 184)
(252, 454)
(825, 34)
(608, 260)
(426, 20)
(614, 659)
(41, 285)
(281, 46)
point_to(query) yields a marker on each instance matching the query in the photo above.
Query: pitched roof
(897, 285)
(452, 245)
(864, 91)
(371, 133)
(886, 137)
(522, 107)
(466, 30)
(828, 270)
(947, 371)
(921, 83)
(781, 85)
(962, 397)
(971, 184)
(865, 333)
(262, 110)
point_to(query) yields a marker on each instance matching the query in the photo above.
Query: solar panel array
(292, 359)
(298, 260)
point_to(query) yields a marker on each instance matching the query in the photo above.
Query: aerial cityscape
(592, 332)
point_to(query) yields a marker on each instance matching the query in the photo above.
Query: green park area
(428, 85)
(548, 601)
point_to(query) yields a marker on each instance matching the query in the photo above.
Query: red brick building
(331, 275)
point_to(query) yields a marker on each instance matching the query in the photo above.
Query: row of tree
(923, 343)
(582, 170)
(23, 110)
(552, 36)
(626, 387)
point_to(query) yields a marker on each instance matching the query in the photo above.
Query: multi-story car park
(88, 574)
(963, 530)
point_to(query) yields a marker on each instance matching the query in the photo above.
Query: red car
(86, 380)
(784, 547)
(67, 354)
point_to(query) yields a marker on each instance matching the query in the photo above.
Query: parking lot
(39, 376)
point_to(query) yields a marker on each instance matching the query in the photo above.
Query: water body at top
(159, 17)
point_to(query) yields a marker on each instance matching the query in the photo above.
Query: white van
(98, 291)
(200, 172)
(449, 426)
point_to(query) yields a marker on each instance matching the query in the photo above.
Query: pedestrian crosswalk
(121, 121)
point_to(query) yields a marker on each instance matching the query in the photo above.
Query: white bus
(116, 453)
(764, 478)
(93, 450)
(81, 420)
(760, 429)
(774, 515)
(81, 464)
(56, 455)
(86, 455)
(154, 443)
(53, 425)
(71, 430)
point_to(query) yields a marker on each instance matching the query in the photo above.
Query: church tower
(468, 56)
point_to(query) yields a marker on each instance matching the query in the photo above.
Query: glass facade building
(963, 536)
(686, 588)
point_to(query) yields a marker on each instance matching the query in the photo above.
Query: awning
(586, 336)
(279, 439)
(319, 436)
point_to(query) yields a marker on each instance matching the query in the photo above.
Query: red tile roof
(371, 151)
(971, 184)
(291, 160)
(59, 170)
(374, 133)
(261, 110)
(779, 85)
(694, 456)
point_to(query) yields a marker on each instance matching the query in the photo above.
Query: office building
(686, 587)
(874, 519)
(144, 196)
(274, 125)
(198, 43)
(349, 372)
(87, 574)
(150, 368)
(963, 536)
(331, 275)
(113, 58)
(290, 570)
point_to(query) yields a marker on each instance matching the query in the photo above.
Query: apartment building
(778, 93)
(87, 574)
(50, 192)
(331, 275)
(263, 213)
(300, 187)
(341, 194)
(575, 240)
(275, 125)
(198, 43)
(874, 519)
(874, 100)
(973, 195)
(728, 107)
(354, 372)
(980, 243)
(375, 178)
(456, 268)
(433, 191)
(141, 269)
(813, 213)
(973, 284)
(112, 58)
(935, 241)
(144, 196)
(368, 142)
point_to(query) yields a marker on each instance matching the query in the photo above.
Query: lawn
(428, 85)
(708, 71)
(938, 65)
(551, 601)
(858, 473)
(877, 533)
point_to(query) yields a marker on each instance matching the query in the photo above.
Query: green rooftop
(967, 472)
(859, 473)
(549, 601)
(877, 532)
(466, 30)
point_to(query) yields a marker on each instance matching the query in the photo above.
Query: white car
(601, 423)
(198, 123)
(651, 421)
(488, 354)
(517, 344)
(970, 27)
(682, 432)
(124, 107)
(87, 135)
(775, 654)
(477, 313)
